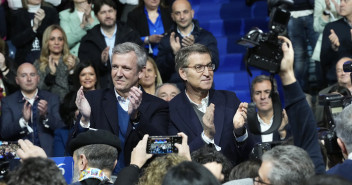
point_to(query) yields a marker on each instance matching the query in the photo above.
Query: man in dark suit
(126, 110)
(185, 32)
(205, 115)
(97, 45)
(30, 113)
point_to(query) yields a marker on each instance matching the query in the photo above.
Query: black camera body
(264, 49)
(163, 144)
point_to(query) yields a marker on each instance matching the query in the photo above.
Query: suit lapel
(188, 116)
(219, 114)
(110, 110)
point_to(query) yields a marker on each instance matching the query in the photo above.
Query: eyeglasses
(258, 180)
(200, 68)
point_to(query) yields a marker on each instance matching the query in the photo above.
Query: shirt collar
(102, 32)
(263, 123)
(187, 34)
(350, 156)
(30, 100)
(203, 104)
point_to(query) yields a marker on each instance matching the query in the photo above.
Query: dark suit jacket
(137, 20)
(184, 119)
(11, 112)
(94, 43)
(153, 120)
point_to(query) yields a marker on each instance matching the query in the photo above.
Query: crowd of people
(87, 85)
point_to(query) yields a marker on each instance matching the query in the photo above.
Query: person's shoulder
(137, 11)
(12, 97)
(64, 13)
(153, 99)
(48, 9)
(43, 94)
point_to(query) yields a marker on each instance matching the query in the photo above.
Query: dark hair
(68, 108)
(37, 171)
(246, 169)
(262, 78)
(99, 3)
(189, 173)
(340, 89)
(209, 154)
(80, 66)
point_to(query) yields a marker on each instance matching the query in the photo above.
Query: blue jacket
(184, 119)
(12, 112)
(343, 170)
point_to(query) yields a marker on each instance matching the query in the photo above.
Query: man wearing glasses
(207, 116)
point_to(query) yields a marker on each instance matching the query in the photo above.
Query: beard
(76, 174)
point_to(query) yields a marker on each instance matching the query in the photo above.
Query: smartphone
(8, 149)
(162, 144)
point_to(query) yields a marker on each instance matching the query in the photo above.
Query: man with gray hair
(286, 164)
(125, 110)
(167, 91)
(344, 133)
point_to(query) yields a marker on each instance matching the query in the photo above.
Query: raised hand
(27, 111)
(175, 43)
(139, 154)
(43, 108)
(188, 41)
(38, 18)
(335, 43)
(28, 149)
(240, 118)
(83, 105)
(135, 97)
(105, 55)
(183, 148)
(52, 65)
(208, 121)
(71, 62)
(155, 38)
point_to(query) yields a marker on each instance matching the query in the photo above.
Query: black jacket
(22, 34)
(137, 20)
(166, 59)
(94, 43)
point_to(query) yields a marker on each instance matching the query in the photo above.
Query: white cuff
(208, 141)
(84, 125)
(24, 124)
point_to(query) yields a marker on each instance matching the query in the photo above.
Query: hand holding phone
(163, 144)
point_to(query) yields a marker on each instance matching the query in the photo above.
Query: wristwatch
(326, 12)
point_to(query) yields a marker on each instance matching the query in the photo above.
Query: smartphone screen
(162, 144)
(8, 149)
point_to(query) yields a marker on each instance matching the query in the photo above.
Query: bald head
(343, 78)
(27, 78)
(182, 14)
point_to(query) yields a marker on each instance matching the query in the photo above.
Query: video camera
(264, 49)
(333, 106)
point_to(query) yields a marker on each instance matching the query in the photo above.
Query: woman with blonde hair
(151, 78)
(156, 170)
(56, 64)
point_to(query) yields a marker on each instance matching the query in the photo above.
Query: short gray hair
(127, 47)
(290, 165)
(100, 156)
(259, 79)
(344, 127)
(159, 86)
(181, 58)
